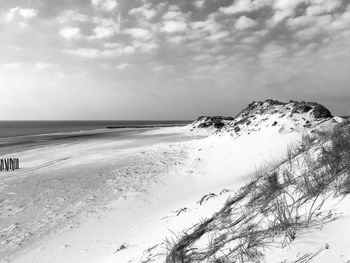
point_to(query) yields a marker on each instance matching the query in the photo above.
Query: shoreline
(73, 127)
(32, 141)
(137, 191)
(61, 185)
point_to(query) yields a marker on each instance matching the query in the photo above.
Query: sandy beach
(108, 198)
(64, 183)
(131, 195)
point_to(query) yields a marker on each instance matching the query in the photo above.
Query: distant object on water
(9, 164)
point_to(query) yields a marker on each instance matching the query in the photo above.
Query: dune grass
(275, 206)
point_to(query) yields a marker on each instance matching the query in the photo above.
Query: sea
(19, 135)
(26, 128)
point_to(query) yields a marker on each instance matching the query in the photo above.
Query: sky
(175, 59)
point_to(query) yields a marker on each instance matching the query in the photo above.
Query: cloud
(139, 33)
(174, 26)
(199, 3)
(160, 68)
(25, 13)
(300, 22)
(60, 75)
(172, 14)
(174, 21)
(15, 47)
(127, 50)
(137, 45)
(106, 27)
(90, 52)
(244, 22)
(105, 5)
(307, 27)
(284, 9)
(341, 22)
(145, 46)
(271, 53)
(218, 36)
(103, 32)
(245, 6)
(110, 50)
(323, 6)
(123, 66)
(72, 16)
(13, 65)
(145, 11)
(308, 33)
(103, 28)
(175, 39)
(238, 6)
(19, 15)
(70, 33)
(210, 25)
(42, 65)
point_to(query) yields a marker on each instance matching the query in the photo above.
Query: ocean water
(19, 135)
(10, 129)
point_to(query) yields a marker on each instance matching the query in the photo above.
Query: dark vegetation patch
(215, 121)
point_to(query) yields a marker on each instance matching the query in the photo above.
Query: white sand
(216, 163)
(79, 202)
(61, 189)
(148, 191)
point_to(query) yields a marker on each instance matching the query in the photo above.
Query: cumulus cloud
(138, 33)
(199, 3)
(123, 49)
(323, 6)
(72, 16)
(123, 66)
(284, 9)
(161, 68)
(209, 25)
(245, 22)
(19, 16)
(91, 52)
(105, 28)
(245, 6)
(42, 66)
(200, 37)
(12, 65)
(129, 50)
(342, 22)
(308, 33)
(145, 11)
(25, 13)
(15, 47)
(174, 14)
(175, 39)
(299, 22)
(102, 27)
(174, 26)
(103, 32)
(109, 51)
(238, 6)
(145, 47)
(174, 21)
(271, 53)
(70, 33)
(218, 36)
(308, 27)
(105, 5)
